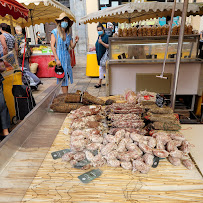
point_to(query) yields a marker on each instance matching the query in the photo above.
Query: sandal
(97, 86)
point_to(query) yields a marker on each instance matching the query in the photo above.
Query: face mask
(38, 35)
(64, 24)
(100, 32)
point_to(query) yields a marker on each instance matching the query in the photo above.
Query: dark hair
(37, 32)
(5, 27)
(100, 25)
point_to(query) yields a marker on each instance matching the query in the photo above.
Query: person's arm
(4, 45)
(53, 41)
(72, 45)
(36, 40)
(101, 42)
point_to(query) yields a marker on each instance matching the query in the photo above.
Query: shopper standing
(60, 42)
(38, 39)
(101, 45)
(7, 40)
(20, 41)
(4, 114)
(200, 45)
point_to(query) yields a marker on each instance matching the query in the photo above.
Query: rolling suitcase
(24, 101)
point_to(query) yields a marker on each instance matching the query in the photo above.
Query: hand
(58, 62)
(76, 39)
(100, 40)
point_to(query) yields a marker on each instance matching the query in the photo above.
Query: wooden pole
(13, 33)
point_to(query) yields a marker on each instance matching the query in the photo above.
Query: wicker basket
(33, 67)
(72, 98)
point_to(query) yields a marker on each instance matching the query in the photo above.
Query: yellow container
(11, 79)
(92, 68)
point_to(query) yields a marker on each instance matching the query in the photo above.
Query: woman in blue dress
(60, 42)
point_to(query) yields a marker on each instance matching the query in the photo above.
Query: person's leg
(64, 89)
(5, 132)
(26, 64)
(102, 71)
(20, 62)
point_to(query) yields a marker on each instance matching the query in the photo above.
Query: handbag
(59, 72)
(104, 58)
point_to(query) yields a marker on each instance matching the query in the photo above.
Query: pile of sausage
(124, 143)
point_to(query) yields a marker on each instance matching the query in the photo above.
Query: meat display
(123, 142)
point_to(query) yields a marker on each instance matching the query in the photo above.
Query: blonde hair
(18, 28)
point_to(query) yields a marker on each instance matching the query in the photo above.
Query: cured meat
(105, 141)
(126, 165)
(97, 139)
(114, 163)
(141, 166)
(109, 147)
(124, 156)
(119, 135)
(93, 99)
(160, 144)
(98, 161)
(135, 154)
(177, 154)
(116, 117)
(128, 140)
(93, 146)
(89, 118)
(163, 137)
(174, 161)
(145, 148)
(78, 145)
(161, 117)
(68, 156)
(188, 164)
(85, 111)
(131, 146)
(89, 156)
(169, 126)
(79, 156)
(171, 146)
(110, 138)
(163, 110)
(177, 136)
(121, 146)
(136, 137)
(111, 155)
(112, 131)
(152, 142)
(87, 124)
(185, 147)
(148, 159)
(73, 162)
(160, 153)
(127, 135)
(127, 124)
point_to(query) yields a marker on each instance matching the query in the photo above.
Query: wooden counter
(56, 181)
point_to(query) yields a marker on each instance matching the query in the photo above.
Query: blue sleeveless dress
(64, 57)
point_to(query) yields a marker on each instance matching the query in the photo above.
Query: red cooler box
(43, 70)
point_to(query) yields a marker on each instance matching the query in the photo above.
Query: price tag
(90, 175)
(156, 161)
(59, 154)
(159, 100)
(81, 164)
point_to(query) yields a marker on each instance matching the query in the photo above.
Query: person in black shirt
(38, 39)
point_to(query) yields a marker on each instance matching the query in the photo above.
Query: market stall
(140, 54)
